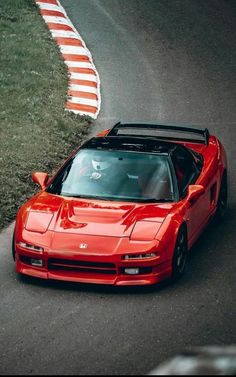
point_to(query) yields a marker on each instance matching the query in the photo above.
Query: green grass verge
(36, 133)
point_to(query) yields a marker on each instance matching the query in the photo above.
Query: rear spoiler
(161, 131)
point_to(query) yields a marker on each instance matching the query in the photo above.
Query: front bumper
(93, 268)
(158, 274)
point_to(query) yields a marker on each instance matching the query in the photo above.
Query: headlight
(139, 256)
(38, 221)
(31, 247)
(145, 230)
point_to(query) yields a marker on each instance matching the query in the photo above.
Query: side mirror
(40, 178)
(194, 192)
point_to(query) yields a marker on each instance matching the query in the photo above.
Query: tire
(180, 254)
(222, 202)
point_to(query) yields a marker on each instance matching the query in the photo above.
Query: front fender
(167, 233)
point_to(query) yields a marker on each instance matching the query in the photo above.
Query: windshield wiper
(72, 195)
(161, 200)
(98, 197)
(85, 196)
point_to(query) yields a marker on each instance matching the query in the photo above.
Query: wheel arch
(183, 225)
(179, 257)
(169, 232)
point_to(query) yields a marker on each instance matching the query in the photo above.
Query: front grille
(81, 266)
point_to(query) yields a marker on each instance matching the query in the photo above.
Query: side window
(185, 169)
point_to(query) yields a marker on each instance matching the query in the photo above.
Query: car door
(187, 172)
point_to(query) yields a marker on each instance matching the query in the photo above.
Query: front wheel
(180, 254)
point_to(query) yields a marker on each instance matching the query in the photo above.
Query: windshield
(115, 175)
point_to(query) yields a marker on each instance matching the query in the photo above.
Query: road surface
(165, 60)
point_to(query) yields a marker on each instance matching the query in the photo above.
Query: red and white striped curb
(84, 85)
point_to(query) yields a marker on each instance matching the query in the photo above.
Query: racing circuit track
(172, 61)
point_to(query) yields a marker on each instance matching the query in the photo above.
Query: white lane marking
(57, 20)
(46, 6)
(64, 34)
(78, 64)
(83, 76)
(83, 101)
(83, 88)
(74, 50)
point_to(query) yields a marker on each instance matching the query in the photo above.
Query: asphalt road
(164, 60)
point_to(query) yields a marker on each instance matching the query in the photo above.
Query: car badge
(83, 245)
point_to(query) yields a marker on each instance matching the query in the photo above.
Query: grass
(36, 133)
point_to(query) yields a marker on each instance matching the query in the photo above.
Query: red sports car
(125, 208)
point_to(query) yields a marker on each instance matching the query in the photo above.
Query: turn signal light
(31, 247)
(140, 256)
(131, 271)
(36, 262)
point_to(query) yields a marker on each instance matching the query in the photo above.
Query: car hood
(94, 217)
